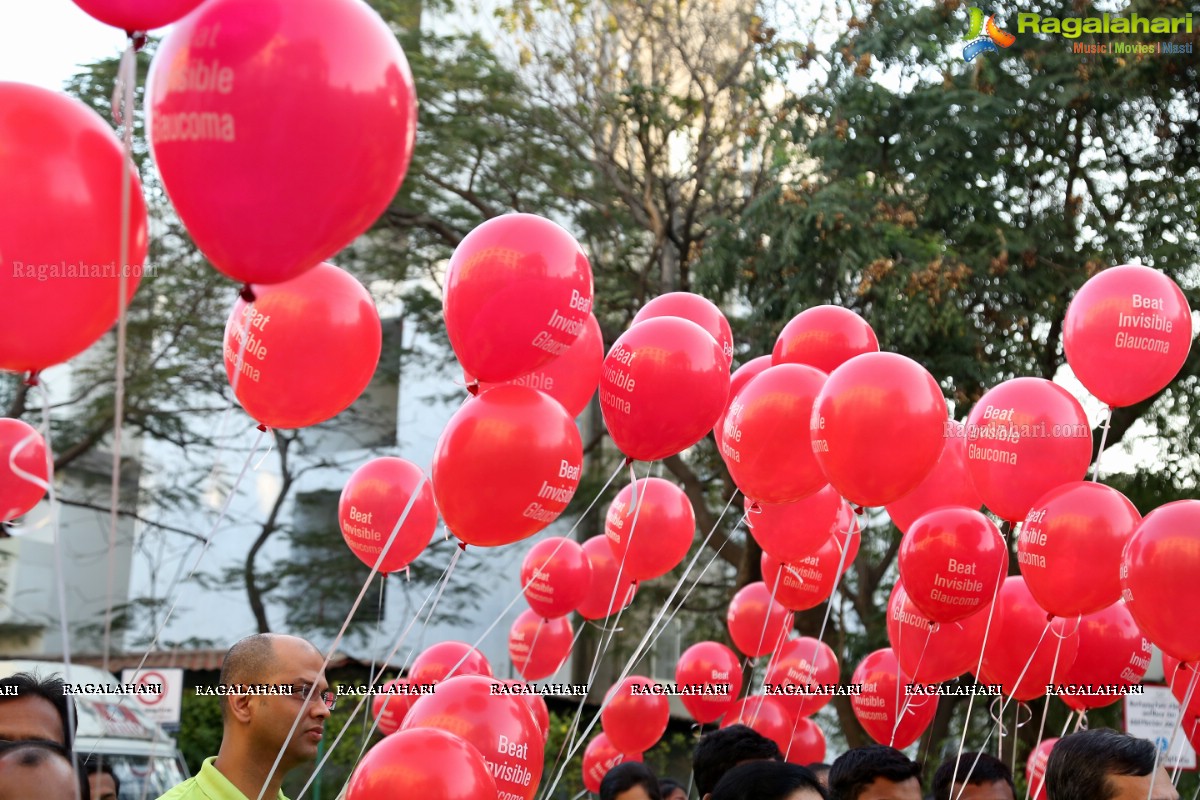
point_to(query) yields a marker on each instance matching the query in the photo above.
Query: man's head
(37, 768)
(768, 780)
(671, 789)
(979, 777)
(35, 708)
(258, 724)
(875, 772)
(103, 781)
(1102, 764)
(821, 770)
(723, 749)
(631, 780)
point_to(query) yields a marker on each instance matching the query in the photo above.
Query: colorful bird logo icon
(984, 35)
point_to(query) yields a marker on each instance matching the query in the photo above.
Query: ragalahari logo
(984, 35)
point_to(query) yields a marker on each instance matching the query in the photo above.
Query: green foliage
(200, 729)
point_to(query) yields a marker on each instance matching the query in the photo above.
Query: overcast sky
(43, 41)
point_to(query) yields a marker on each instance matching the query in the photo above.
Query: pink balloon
(824, 337)
(792, 531)
(137, 15)
(947, 484)
(699, 310)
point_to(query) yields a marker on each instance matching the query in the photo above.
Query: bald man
(256, 725)
(37, 768)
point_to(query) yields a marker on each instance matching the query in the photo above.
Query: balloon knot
(1049, 618)
(4, 534)
(755, 507)
(860, 510)
(247, 293)
(628, 461)
(462, 546)
(32, 379)
(137, 38)
(262, 427)
(473, 388)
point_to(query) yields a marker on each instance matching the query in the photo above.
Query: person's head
(821, 770)
(979, 777)
(631, 780)
(102, 780)
(671, 789)
(1102, 764)
(768, 780)
(875, 772)
(32, 707)
(257, 724)
(40, 768)
(723, 749)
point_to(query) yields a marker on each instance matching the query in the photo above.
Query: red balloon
(763, 715)
(1191, 729)
(1159, 578)
(757, 624)
(951, 561)
(709, 664)
(447, 660)
(652, 535)
(792, 531)
(60, 224)
(539, 647)
(1025, 437)
(372, 502)
(1112, 652)
(933, 652)
(265, 158)
(391, 704)
(537, 707)
(518, 293)
(1185, 686)
(1127, 333)
(598, 758)
(665, 384)
(883, 700)
(1035, 768)
(1016, 647)
(810, 581)
(498, 724)
(137, 15)
(633, 717)
(807, 745)
(824, 337)
(948, 484)
(740, 377)
(766, 442)
(555, 576)
(571, 378)
(306, 348)
(799, 674)
(695, 308)
(424, 762)
(602, 597)
(1070, 547)
(884, 410)
(18, 495)
(506, 465)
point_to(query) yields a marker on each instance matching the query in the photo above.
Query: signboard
(1154, 716)
(162, 707)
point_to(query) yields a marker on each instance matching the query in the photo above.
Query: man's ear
(239, 706)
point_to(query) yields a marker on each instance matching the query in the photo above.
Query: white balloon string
(240, 324)
(899, 672)
(1046, 705)
(752, 662)
(1187, 699)
(1096, 474)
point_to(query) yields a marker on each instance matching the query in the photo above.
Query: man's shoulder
(188, 790)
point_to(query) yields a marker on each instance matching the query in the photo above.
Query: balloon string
(412, 500)
(1187, 699)
(219, 432)
(1045, 706)
(763, 635)
(899, 672)
(375, 639)
(1096, 474)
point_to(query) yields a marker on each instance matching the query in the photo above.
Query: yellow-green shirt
(208, 784)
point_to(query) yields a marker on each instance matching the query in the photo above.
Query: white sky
(43, 41)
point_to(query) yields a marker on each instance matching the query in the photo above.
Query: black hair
(1079, 764)
(668, 785)
(766, 780)
(817, 767)
(52, 690)
(988, 769)
(627, 775)
(98, 764)
(723, 749)
(855, 770)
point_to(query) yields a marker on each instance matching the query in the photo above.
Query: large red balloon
(1035, 768)
(699, 310)
(1070, 547)
(1025, 437)
(372, 502)
(766, 442)
(538, 646)
(1019, 646)
(635, 717)
(740, 377)
(518, 293)
(391, 704)
(947, 484)
(571, 378)
(1127, 333)
(306, 349)
(807, 745)
(933, 652)
(18, 494)
(792, 531)
(878, 427)
(951, 561)
(423, 762)
(1159, 578)
(507, 464)
(447, 660)
(1112, 652)
(709, 664)
(807, 582)
(883, 700)
(763, 715)
(598, 758)
(665, 384)
(60, 227)
(498, 724)
(757, 624)
(652, 535)
(611, 588)
(282, 130)
(801, 674)
(824, 337)
(137, 15)
(555, 576)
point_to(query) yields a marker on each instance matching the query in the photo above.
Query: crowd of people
(37, 759)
